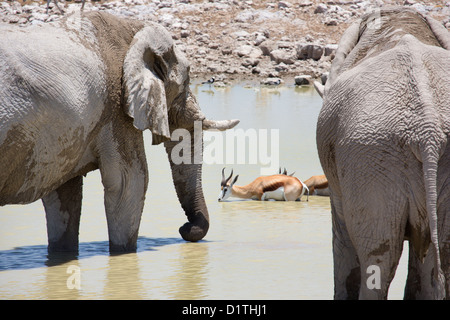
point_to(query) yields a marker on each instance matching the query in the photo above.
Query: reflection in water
(253, 250)
(123, 278)
(55, 285)
(190, 271)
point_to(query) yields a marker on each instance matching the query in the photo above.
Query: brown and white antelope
(279, 187)
(318, 185)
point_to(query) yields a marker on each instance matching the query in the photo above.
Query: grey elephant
(75, 96)
(383, 142)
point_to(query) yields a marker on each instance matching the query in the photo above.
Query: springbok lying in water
(279, 187)
(318, 185)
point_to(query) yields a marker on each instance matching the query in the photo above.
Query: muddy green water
(253, 250)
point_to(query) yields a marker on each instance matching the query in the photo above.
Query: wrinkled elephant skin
(383, 142)
(75, 99)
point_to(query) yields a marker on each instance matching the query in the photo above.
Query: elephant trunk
(185, 159)
(187, 178)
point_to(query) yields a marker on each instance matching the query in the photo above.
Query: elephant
(76, 96)
(383, 142)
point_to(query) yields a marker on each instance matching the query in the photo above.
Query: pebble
(263, 39)
(271, 81)
(321, 8)
(282, 56)
(303, 80)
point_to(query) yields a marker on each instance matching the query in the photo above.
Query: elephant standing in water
(383, 142)
(75, 97)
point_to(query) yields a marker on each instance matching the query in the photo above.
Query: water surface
(253, 250)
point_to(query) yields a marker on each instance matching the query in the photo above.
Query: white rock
(284, 4)
(309, 51)
(321, 8)
(303, 80)
(259, 39)
(248, 51)
(184, 33)
(245, 16)
(241, 34)
(329, 49)
(271, 81)
(284, 56)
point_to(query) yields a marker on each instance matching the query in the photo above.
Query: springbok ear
(234, 180)
(144, 71)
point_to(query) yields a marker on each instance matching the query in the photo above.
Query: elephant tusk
(219, 124)
(319, 88)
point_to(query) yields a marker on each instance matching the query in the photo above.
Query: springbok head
(226, 186)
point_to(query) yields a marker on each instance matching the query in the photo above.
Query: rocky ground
(234, 39)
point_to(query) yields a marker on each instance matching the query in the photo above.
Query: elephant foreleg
(125, 184)
(63, 210)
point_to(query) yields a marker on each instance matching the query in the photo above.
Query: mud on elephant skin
(383, 138)
(76, 99)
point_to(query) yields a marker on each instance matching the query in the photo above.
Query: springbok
(285, 172)
(279, 187)
(318, 185)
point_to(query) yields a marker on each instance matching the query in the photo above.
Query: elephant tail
(430, 166)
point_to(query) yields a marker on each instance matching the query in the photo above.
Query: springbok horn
(224, 181)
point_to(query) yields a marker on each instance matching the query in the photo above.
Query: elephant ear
(144, 73)
(348, 41)
(441, 33)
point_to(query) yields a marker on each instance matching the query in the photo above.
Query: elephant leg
(379, 244)
(420, 276)
(124, 178)
(443, 213)
(347, 276)
(445, 251)
(445, 245)
(378, 269)
(413, 281)
(63, 210)
(421, 283)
